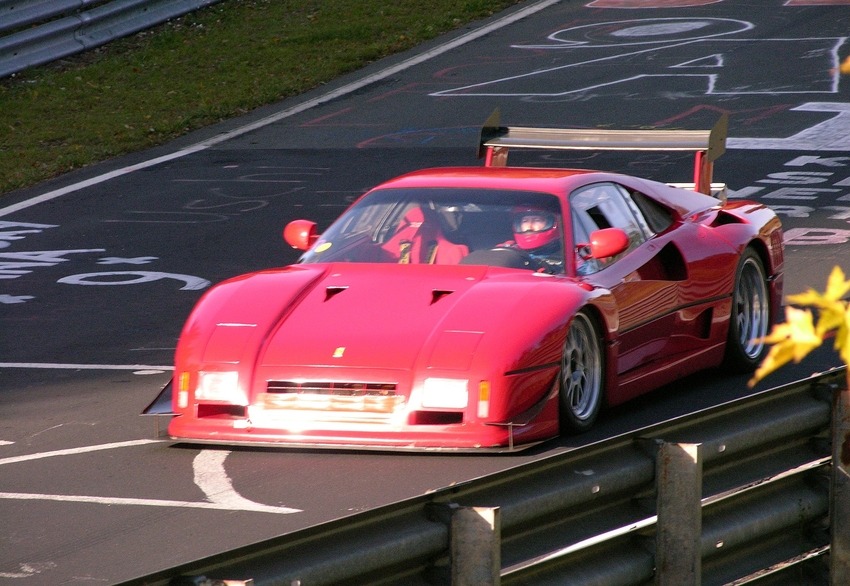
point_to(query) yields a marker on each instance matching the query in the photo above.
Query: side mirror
(605, 244)
(300, 234)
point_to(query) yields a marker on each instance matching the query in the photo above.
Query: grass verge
(213, 64)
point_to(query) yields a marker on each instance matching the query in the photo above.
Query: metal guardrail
(35, 32)
(736, 494)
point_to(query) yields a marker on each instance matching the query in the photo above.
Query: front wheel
(750, 318)
(581, 377)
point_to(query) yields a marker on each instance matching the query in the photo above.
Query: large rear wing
(707, 145)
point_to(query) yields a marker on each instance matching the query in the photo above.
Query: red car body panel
(339, 354)
(335, 334)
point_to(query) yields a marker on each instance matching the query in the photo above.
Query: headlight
(445, 393)
(218, 386)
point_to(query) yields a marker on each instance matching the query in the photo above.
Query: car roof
(519, 178)
(556, 181)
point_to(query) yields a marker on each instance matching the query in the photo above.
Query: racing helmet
(534, 227)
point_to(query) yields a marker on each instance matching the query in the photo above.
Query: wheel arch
(772, 272)
(603, 317)
(761, 249)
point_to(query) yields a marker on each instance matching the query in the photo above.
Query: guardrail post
(678, 556)
(839, 518)
(476, 546)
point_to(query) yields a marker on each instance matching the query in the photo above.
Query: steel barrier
(35, 32)
(735, 494)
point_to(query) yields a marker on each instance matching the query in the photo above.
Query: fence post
(476, 546)
(678, 555)
(839, 513)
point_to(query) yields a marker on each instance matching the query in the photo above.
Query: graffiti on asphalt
(231, 196)
(687, 57)
(17, 264)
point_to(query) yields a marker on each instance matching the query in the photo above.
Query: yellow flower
(792, 340)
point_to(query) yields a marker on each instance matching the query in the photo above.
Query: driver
(537, 233)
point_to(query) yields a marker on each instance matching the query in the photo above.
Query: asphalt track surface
(98, 269)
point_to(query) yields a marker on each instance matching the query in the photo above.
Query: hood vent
(438, 294)
(331, 292)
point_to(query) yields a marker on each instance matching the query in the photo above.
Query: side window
(605, 205)
(581, 234)
(658, 218)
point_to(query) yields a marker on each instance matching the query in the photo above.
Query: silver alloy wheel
(752, 308)
(581, 371)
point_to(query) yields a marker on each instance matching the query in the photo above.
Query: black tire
(582, 375)
(750, 317)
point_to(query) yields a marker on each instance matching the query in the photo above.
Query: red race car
(484, 307)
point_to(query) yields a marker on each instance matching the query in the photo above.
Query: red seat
(419, 241)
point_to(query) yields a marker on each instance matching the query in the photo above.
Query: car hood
(371, 316)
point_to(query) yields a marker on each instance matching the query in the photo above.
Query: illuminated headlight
(218, 386)
(445, 393)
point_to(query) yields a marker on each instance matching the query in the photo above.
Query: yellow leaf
(842, 338)
(779, 355)
(830, 303)
(792, 340)
(836, 288)
(831, 318)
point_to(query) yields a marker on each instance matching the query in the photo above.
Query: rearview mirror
(604, 243)
(300, 234)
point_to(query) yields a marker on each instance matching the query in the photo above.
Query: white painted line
(209, 475)
(29, 569)
(100, 500)
(100, 179)
(332, 95)
(49, 365)
(833, 134)
(74, 451)
(211, 478)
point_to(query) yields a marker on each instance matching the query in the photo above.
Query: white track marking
(75, 451)
(211, 477)
(68, 366)
(297, 109)
(833, 134)
(101, 500)
(28, 570)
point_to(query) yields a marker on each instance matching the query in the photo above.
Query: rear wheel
(581, 378)
(750, 317)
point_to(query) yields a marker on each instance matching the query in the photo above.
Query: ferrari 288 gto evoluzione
(489, 307)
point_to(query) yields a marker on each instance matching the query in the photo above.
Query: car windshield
(517, 229)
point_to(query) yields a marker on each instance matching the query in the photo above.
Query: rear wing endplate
(707, 145)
